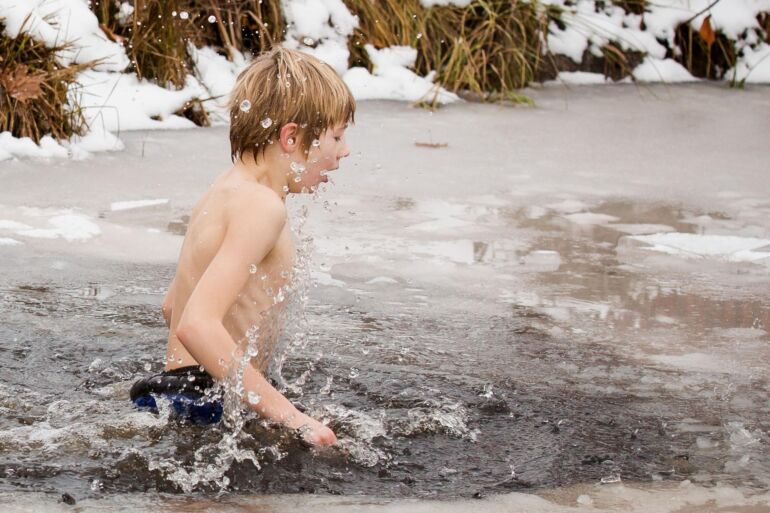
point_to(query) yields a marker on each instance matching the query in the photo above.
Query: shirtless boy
(288, 114)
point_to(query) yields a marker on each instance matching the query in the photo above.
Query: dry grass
(156, 34)
(33, 91)
(491, 47)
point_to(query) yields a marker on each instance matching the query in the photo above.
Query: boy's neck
(269, 170)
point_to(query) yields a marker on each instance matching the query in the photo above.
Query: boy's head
(286, 87)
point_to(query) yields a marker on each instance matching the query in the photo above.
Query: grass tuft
(490, 47)
(34, 89)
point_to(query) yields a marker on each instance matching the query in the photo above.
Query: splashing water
(246, 106)
(266, 123)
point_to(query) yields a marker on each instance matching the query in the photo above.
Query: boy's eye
(338, 139)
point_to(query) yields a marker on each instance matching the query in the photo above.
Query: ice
(567, 206)
(134, 204)
(589, 218)
(69, 226)
(322, 278)
(728, 248)
(7, 241)
(641, 228)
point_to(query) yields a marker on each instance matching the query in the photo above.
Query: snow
(134, 204)
(64, 22)
(392, 79)
(754, 66)
(729, 248)
(120, 101)
(320, 28)
(217, 75)
(662, 70)
(581, 78)
(6, 241)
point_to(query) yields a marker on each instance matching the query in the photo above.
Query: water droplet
(191, 378)
(316, 143)
(308, 41)
(221, 362)
(245, 106)
(253, 269)
(213, 19)
(254, 398)
(173, 13)
(285, 188)
(297, 179)
(353, 372)
(297, 167)
(266, 123)
(147, 367)
(184, 15)
(419, 35)
(290, 140)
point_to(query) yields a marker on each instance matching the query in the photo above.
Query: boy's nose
(345, 151)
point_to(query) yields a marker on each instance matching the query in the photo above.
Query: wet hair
(285, 86)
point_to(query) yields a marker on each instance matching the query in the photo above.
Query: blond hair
(285, 86)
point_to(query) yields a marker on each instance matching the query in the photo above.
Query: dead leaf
(21, 85)
(430, 145)
(707, 31)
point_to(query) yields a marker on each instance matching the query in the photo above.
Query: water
(462, 341)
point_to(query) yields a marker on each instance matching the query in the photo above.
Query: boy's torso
(260, 301)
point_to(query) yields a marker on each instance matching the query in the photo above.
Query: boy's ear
(289, 137)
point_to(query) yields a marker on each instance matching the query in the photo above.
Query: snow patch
(392, 79)
(68, 23)
(662, 70)
(118, 101)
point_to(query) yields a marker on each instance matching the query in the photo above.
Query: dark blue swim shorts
(185, 389)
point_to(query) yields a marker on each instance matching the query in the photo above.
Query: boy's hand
(315, 433)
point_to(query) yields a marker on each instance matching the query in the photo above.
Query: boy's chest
(277, 265)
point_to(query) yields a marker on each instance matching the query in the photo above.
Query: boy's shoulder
(253, 202)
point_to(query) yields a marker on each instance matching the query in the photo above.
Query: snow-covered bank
(113, 100)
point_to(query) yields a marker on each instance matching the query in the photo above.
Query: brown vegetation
(33, 91)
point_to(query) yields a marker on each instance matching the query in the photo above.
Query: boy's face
(324, 156)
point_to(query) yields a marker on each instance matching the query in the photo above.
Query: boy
(288, 114)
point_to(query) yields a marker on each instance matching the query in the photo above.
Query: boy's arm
(200, 328)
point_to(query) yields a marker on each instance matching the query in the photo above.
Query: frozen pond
(506, 300)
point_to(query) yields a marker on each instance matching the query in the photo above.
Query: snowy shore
(114, 100)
